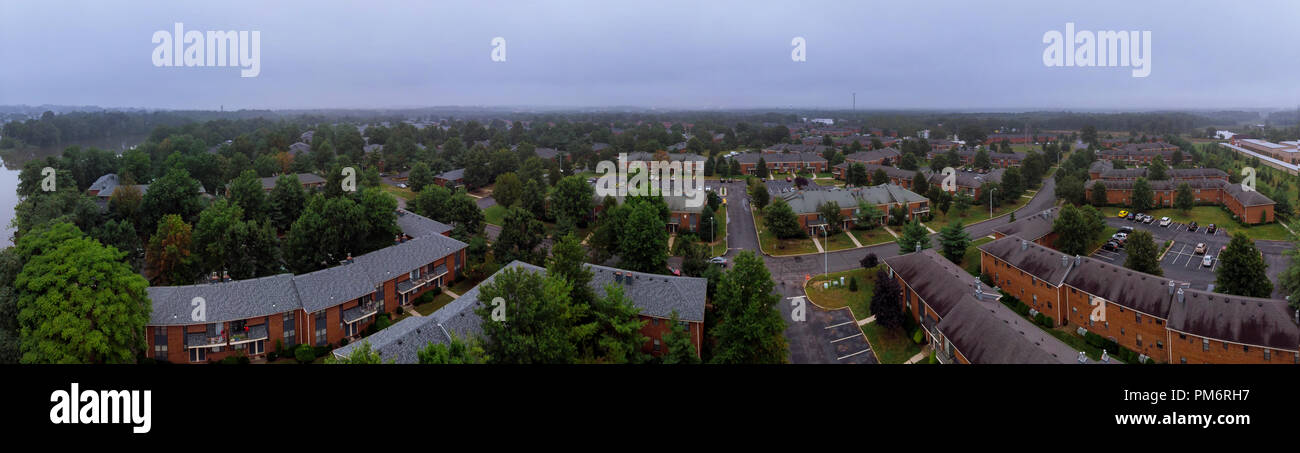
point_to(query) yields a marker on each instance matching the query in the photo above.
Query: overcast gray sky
(667, 54)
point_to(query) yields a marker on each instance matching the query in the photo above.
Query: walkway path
(854, 239)
(818, 244)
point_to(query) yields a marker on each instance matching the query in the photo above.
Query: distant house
(308, 181)
(874, 157)
(883, 197)
(682, 216)
(451, 179)
(299, 148)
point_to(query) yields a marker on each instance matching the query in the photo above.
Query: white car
(1207, 261)
(1164, 221)
(718, 260)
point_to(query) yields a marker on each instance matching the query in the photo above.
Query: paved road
(808, 339)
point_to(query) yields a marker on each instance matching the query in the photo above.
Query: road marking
(853, 354)
(848, 337)
(840, 324)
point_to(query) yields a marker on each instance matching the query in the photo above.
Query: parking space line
(848, 337)
(840, 324)
(853, 354)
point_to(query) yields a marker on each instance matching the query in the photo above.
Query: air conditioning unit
(1081, 331)
(1033, 312)
(1142, 358)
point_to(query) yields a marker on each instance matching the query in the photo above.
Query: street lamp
(995, 190)
(825, 262)
(713, 233)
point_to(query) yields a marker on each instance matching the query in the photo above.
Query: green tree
(572, 200)
(643, 243)
(174, 193)
(457, 352)
(831, 214)
(781, 220)
(520, 236)
(1157, 171)
(1142, 253)
(169, 255)
(678, 347)
(982, 159)
(857, 175)
(868, 215)
(246, 191)
(913, 235)
(1143, 196)
(1184, 199)
(1241, 269)
(761, 170)
(759, 195)
(1074, 231)
(531, 324)
(421, 176)
(919, 183)
(879, 177)
(360, 355)
(618, 338)
(432, 203)
(1099, 197)
(954, 241)
(508, 189)
(1290, 278)
(286, 201)
(79, 303)
(749, 328)
(885, 303)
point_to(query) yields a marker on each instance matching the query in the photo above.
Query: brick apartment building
(319, 308)
(1138, 153)
(883, 156)
(884, 196)
(1250, 207)
(682, 217)
(1036, 228)
(1152, 315)
(657, 297)
(968, 182)
(782, 162)
(996, 159)
(451, 179)
(1287, 151)
(965, 322)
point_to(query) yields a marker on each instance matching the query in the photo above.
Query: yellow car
(1123, 214)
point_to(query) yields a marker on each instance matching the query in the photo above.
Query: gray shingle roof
(866, 156)
(1246, 320)
(937, 281)
(655, 295)
(806, 202)
(1044, 263)
(987, 332)
(332, 286)
(795, 157)
(1030, 227)
(268, 183)
(415, 225)
(453, 175)
(389, 262)
(227, 301)
(1136, 290)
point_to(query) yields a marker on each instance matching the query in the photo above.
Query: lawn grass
(773, 246)
(1219, 216)
(873, 236)
(971, 261)
(890, 345)
(495, 214)
(839, 241)
(405, 194)
(719, 218)
(439, 301)
(836, 297)
(976, 213)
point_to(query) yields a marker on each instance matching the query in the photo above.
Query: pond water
(13, 161)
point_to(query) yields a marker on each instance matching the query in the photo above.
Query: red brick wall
(1024, 286)
(1121, 325)
(1188, 348)
(656, 328)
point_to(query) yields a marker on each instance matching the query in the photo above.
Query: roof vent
(1065, 261)
(1171, 287)
(1181, 297)
(1024, 245)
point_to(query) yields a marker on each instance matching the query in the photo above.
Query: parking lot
(826, 336)
(1181, 262)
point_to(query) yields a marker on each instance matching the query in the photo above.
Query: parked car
(1191, 226)
(1207, 261)
(1126, 230)
(1123, 214)
(718, 260)
(1164, 222)
(1120, 237)
(1131, 216)
(1111, 246)
(1200, 249)
(1211, 229)
(1148, 219)
(675, 271)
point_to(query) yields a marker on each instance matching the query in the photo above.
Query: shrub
(853, 284)
(343, 342)
(917, 336)
(870, 261)
(305, 355)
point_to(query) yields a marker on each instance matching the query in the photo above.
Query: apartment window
(1225, 346)
(1182, 336)
(160, 343)
(320, 328)
(657, 345)
(1035, 299)
(1137, 317)
(1245, 349)
(1121, 329)
(1182, 360)
(256, 347)
(199, 355)
(415, 274)
(1205, 344)
(290, 328)
(1139, 343)
(1268, 354)
(1160, 345)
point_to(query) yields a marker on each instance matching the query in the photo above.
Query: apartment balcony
(412, 285)
(253, 333)
(360, 312)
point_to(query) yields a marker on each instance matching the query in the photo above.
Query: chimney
(1171, 287)
(1180, 297)
(1078, 260)
(1065, 261)
(1024, 245)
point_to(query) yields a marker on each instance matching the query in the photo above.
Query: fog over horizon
(672, 55)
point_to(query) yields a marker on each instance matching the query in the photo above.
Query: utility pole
(991, 193)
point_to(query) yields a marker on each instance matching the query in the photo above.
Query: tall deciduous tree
(954, 239)
(286, 201)
(169, 255)
(79, 303)
(530, 322)
(749, 328)
(246, 191)
(885, 303)
(1241, 269)
(508, 189)
(520, 236)
(643, 245)
(1099, 197)
(1184, 199)
(780, 219)
(1142, 253)
(1143, 196)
